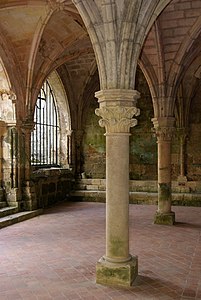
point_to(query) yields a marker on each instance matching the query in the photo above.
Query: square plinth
(164, 219)
(116, 274)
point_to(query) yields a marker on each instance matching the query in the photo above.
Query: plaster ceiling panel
(13, 3)
(60, 34)
(63, 27)
(19, 23)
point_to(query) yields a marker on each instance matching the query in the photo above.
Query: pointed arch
(4, 78)
(184, 54)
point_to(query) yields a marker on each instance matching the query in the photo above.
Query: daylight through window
(45, 136)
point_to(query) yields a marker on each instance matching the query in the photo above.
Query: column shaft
(117, 266)
(182, 140)
(164, 129)
(117, 197)
(164, 176)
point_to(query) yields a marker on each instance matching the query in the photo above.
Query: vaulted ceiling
(38, 36)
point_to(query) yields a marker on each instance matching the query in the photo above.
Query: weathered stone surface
(117, 274)
(164, 218)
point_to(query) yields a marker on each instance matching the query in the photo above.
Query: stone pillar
(117, 107)
(14, 158)
(78, 136)
(182, 140)
(29, 195)
(164, 129)
(11, 165)
(69, 147)
(3, 130)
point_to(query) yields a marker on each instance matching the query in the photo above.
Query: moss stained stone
(116, 247)
(164, 191)
(164, 219)
(116, 274)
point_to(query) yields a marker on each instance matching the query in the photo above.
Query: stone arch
(150, 77)
(135, 19)
(33, 54)
(64, 116)
(7, 97)
(4, 79)
(187, 52)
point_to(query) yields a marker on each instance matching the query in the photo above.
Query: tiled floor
(53, 256)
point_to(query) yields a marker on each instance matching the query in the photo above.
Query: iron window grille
(45, 136)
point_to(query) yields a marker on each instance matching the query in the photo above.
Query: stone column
(29, 195)
(11, 165)
(69, 147)
(78, 137)
(3, 130)
(182, 140)
(117, 107)
(164, 127)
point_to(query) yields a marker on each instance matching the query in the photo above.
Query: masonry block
(164, 218)
(116, 274)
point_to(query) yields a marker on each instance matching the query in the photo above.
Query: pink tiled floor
(53, 256)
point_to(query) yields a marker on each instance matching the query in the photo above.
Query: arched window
(45, 136)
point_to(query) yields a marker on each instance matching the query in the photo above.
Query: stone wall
(52, 185)
(143, 149)
(93, 145)
(143, 146)
(140, 192)
(194, 141)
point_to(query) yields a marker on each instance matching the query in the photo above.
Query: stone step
(140, 186)
(19, 217)
(185, 199)
(6, 211)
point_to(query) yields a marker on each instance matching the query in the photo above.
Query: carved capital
(164, 128)
(7, 95)
(117, 119)
(26, 126)
(117, 108)
(7, 106)
(182, 134)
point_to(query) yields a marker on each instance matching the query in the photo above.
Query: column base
(116, 274)
(164, 218)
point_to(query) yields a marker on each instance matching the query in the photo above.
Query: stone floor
(53, 256)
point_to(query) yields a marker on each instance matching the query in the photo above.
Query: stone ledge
(144, 185)
(19, 217)
(183, 199)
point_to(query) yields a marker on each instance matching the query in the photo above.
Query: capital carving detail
(164, 128)
(117, 119)
(164, 133)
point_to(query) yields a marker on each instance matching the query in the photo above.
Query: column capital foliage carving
(182, 133)
(117, 119)
(26, 126)
(117, 108)
(7, 94)
(164, 128)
